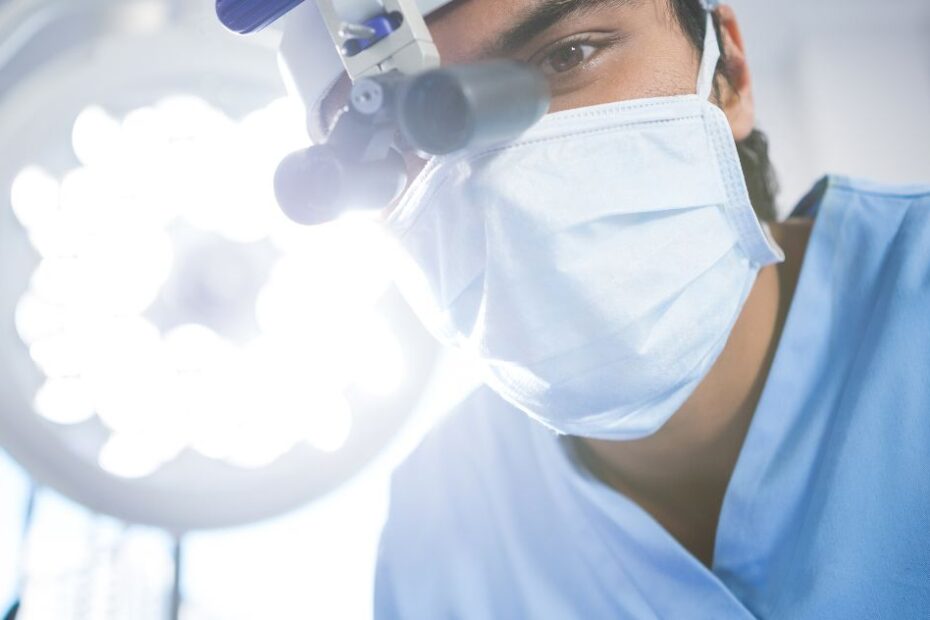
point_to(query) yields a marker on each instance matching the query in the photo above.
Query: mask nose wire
(709, 59)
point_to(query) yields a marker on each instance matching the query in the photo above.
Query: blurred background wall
(842, 86)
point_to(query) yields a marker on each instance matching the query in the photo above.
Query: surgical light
(160, 390)
(175, 344)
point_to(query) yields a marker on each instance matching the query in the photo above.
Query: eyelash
(579, 41)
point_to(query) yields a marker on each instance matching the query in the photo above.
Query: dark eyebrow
(540, 18)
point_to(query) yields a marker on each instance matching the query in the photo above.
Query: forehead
(467, 30)
(464, 27)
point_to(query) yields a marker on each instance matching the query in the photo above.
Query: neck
(680, 474)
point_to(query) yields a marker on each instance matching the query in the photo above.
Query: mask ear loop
(768, 252)
(709, 60)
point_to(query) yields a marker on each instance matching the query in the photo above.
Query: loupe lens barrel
(445, 110)
(316, 185)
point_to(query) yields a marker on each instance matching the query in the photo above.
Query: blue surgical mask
(597, 264)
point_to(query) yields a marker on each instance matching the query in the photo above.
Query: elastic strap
(709, 59)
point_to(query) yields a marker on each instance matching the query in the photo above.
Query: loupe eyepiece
(445, 110)
(316, 185)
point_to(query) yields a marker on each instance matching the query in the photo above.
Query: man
(736, 435)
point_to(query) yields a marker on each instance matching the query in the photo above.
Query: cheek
(666, 65)
(624, 86)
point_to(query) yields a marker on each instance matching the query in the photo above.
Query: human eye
(570, 55)
(566, 57)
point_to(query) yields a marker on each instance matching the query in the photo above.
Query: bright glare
(329, 422)
(65, 401)
(116, 233)
(130, 456)
(383, 367)
(59, 355)
(37, 318)
(95, 136)
(128, 374)
(34, 197)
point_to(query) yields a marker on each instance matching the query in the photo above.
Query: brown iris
(566, 57)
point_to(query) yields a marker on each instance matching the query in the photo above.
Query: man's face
(592, 51)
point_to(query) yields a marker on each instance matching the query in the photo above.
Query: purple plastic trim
(245, 16)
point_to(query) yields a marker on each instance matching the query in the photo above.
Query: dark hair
(754, 150)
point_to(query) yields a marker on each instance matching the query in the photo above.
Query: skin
(635, 49)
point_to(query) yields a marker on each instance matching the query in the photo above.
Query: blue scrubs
(828, 511)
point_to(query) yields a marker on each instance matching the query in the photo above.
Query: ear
(736, 92)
